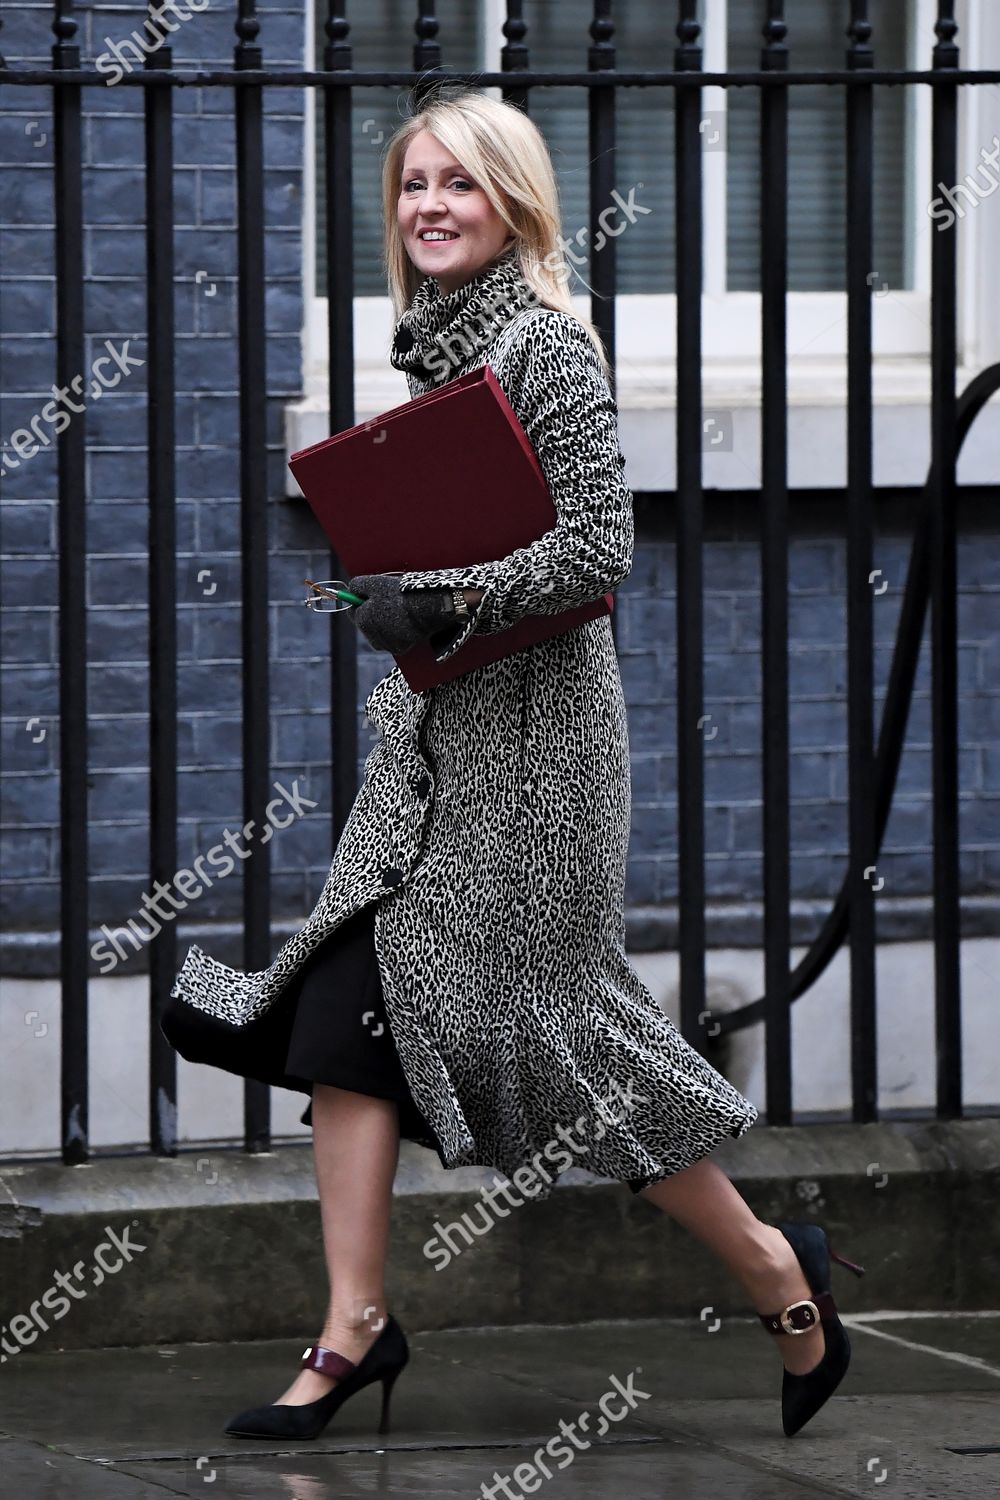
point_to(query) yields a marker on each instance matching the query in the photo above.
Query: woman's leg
(704, 1201)
(356, 1149)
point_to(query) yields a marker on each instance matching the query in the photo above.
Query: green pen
(345, 594)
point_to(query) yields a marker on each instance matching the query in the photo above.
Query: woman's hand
(392, 621)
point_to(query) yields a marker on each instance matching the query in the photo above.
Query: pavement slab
(690, 1409)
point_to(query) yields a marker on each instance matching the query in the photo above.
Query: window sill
(731, 398)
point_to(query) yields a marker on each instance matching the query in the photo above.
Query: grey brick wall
(818, 705)
(208, 560)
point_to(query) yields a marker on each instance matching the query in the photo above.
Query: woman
(477, 889)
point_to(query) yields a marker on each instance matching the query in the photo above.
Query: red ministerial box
(446, 480)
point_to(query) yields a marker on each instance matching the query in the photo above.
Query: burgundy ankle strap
(327, 1361)
(799, 1317)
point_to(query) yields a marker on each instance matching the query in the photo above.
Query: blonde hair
(507, 155)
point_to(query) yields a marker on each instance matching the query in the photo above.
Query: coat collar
(439, 333)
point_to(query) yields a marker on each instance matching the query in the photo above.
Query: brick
(26, 252)
(651, 727)
(26, 192)
(979, 616)
(25, 905)
(119, 846)
(816, 673)
(217, 631)
(29, 692)
(990, 768)
(814, 775)
(732, 778)
(114, 142)
(654, 827)
(979, 562)
(645, 776)
(29, 305)
(210, 308)
(117, 580)
(117, 634)
(651, 676)
(817, 618)
(818, 723)
(731, 567)
(747, 827)
(29, 581)
(641, 882)
(203, 793)
(31, 799)
(217, 530)
(217, 740)
(119, 475)
(719, 836)
(979, 822)
(118, 794)
(30, 743)
(27, 528)
(814, 567)
(979, 718)
(112, 193)
(111, 306)
(736, 675)
(302, 732)
(27, 854)
(28, 635)
(283, 39)
(284, 368)
(207, 364)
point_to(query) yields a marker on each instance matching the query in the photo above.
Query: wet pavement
(690, 1410)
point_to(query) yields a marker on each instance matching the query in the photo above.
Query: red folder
(446, 480)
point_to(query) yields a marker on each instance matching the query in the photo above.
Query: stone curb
(216, 1245)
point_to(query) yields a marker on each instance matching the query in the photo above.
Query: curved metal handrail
(892, 731)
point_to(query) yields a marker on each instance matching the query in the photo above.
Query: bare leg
(704, 1201)
(356, 1149)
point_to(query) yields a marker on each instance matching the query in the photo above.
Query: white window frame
(646, 324)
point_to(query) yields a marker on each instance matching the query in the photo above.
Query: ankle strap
(800, 1317)
(327, 1361)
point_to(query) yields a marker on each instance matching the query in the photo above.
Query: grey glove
(393, 621)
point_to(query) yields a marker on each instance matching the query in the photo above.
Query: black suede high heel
(803, 1395)
(383, 1361)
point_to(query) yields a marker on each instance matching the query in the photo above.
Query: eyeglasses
(330, 595)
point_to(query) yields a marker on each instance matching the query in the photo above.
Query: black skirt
(328, 1025)
(340, 1033)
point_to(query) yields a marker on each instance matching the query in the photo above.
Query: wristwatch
(459, 604)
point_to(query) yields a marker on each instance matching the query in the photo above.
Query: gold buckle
(789, 1327)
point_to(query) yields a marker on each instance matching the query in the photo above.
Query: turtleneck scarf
(438, 333)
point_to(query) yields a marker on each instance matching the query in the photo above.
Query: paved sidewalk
(917, 1417)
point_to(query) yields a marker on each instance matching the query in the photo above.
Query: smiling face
(436, 193)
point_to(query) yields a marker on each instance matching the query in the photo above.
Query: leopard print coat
(493, 820)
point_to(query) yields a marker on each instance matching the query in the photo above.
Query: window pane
(558, 37)
(816, 166)
(382, 37)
